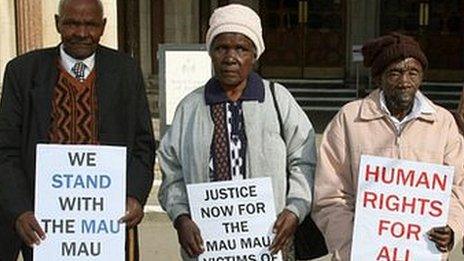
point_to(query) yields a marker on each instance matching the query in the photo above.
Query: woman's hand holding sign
(284, 228)
(189, 236)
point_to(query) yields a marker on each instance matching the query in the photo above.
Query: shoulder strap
(281, 125)
(276, 106)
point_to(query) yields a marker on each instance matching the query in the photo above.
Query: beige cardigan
(361, 127)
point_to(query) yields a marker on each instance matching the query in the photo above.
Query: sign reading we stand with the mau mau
(80, 194)
(397, 203)
(235, 219)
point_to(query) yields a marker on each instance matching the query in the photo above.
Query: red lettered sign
(397, 202)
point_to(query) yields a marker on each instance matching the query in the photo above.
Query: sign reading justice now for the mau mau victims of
(397, 203)
(235, 219)
(80, 194)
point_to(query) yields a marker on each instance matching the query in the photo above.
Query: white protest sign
(80, 194)
(185, 71)
(397, 202)
(235, 218)
(356, 53)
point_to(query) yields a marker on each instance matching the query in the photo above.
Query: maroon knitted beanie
(382, 51)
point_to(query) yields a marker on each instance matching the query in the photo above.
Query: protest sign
(356, 53)
(397, 202)
(80, 194)
(185, 71)
(235, 219)
(182, 69)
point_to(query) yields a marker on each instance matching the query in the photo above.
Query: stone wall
(7, 27)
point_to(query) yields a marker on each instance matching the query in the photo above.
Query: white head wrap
(236, 18)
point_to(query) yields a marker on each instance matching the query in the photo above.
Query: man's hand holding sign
(29, 229)
(134, 213)
(443, 237)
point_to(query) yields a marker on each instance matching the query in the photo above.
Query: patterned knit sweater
(74, 110)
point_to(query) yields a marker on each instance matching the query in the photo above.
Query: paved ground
(158, 240)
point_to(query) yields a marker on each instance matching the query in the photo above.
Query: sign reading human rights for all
(235, 219)
(80, 194)
(397, 203)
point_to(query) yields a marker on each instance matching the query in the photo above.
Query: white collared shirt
(68, 62)
(421, 105)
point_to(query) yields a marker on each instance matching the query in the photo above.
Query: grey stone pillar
(363, 22)
(145, 31)
(182, 21)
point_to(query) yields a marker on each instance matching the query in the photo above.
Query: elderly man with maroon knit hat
(396, 110)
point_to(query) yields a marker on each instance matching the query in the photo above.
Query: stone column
(363, 22)
(28, 25)
(182, 21)
(145, 37)
(128, 28)
(7, 27)
(157, 30)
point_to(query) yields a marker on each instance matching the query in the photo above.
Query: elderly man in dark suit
(76, 93)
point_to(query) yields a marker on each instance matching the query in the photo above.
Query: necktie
(78, 70)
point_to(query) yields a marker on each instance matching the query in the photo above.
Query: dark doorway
(304, 39)
(439, 27)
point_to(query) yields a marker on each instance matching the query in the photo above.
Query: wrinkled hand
(29, 229)
(134, 213)
(284, 228)
(443, 237)
(189, 236)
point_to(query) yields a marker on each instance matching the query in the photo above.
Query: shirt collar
(68, 62)
(421, 105)
(254, 90)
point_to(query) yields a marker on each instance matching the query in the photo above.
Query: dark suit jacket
(123, 119)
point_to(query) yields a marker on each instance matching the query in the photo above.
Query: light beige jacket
(361, 127)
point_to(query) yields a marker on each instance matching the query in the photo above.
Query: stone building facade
(309, 42)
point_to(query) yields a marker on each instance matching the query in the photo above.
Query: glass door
(439, 27)
(304, 39)
(324, 48)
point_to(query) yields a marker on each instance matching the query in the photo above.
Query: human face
(233, 56)
(400, 82)
(80, 24)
